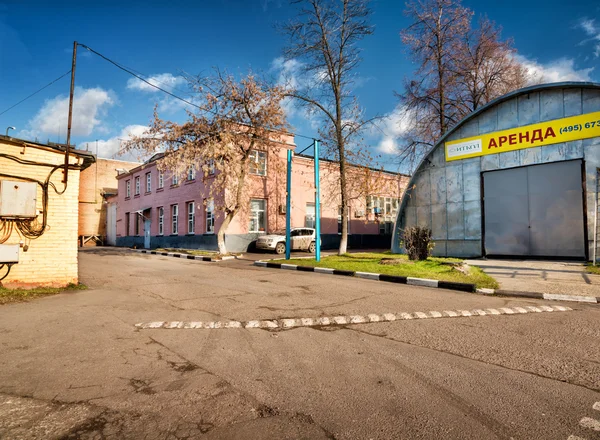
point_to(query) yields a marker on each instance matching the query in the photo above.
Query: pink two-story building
(161, 209)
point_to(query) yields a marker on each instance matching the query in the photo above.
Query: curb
(184, 256)
(341, 320)
(450, 285)
(464, 287)
(539, 295)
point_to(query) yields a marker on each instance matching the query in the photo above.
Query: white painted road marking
(353, 319)
(588, 422)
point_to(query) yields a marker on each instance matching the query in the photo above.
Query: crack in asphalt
(533, 373)
(263, 409)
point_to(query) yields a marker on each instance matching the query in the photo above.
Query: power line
(35, 93)
(138, 76)
(157, 81)
(123, 68)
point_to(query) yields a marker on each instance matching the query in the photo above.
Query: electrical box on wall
(18, 199)
(9, 253)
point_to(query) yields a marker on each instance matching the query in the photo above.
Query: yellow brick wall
(51, 259)
(93, 180)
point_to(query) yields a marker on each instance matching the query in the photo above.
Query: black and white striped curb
(184, 256)
(537, 295)
(464, 287)
(322, 321)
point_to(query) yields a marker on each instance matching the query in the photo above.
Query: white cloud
(89, 105)
(163, 80)
(561, 69)
(109, 148)
(592, 30)
(166, 81)
(288, 72)
(392, 127)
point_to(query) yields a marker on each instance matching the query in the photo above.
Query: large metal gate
(535, 211)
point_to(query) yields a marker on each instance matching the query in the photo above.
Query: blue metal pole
(288, 205)
(317, 205)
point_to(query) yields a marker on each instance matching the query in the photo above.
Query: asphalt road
(74, 366)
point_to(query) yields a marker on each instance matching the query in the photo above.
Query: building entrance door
(111, 224)
(146, 233)
(535, 211)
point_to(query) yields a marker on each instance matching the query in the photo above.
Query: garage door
(535, 211)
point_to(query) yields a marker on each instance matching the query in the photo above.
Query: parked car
(302, 239)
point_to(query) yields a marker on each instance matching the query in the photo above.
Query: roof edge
(511, 95)
(470, 116)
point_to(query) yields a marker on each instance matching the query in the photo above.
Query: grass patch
(590, 268)
(433, 268)
(19, 295)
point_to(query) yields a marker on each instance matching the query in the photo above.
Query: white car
(302, 239)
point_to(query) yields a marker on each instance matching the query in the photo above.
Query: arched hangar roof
(441, 142)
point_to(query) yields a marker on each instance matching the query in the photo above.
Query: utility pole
(74, 62)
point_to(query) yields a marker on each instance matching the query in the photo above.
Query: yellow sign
(528, 136)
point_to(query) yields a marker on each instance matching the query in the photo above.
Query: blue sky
(559, 40)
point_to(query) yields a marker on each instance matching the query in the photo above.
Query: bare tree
(460, 69)
(234, 119)
(325, 39)
(433, 40)
(486, 68)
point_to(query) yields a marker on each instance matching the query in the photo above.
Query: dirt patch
(141, 386)
(394, 261)
(266, 411)
(182, 367)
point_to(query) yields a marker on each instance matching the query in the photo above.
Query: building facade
(98, 182)
(516, 178)
(49, 259)
(160, 210)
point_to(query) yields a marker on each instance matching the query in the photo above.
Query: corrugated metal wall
(446, 197)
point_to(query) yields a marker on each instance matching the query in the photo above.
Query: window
(137, 224)
(210, 216)
(175, 180)
(191, 217)
(385, 209)
(191, 175)
(378, 205)
(137, 186)
(174, 219)
(148, 182)
(340, 220)
(161, 180)
(386, 227)
(127, 222)
(309, 217)
(128, 189)
(211, 167)
(258, 220)
(258, 163)
(161, 221)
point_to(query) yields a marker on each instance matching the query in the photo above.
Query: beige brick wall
(51, 259)
(93, 181)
